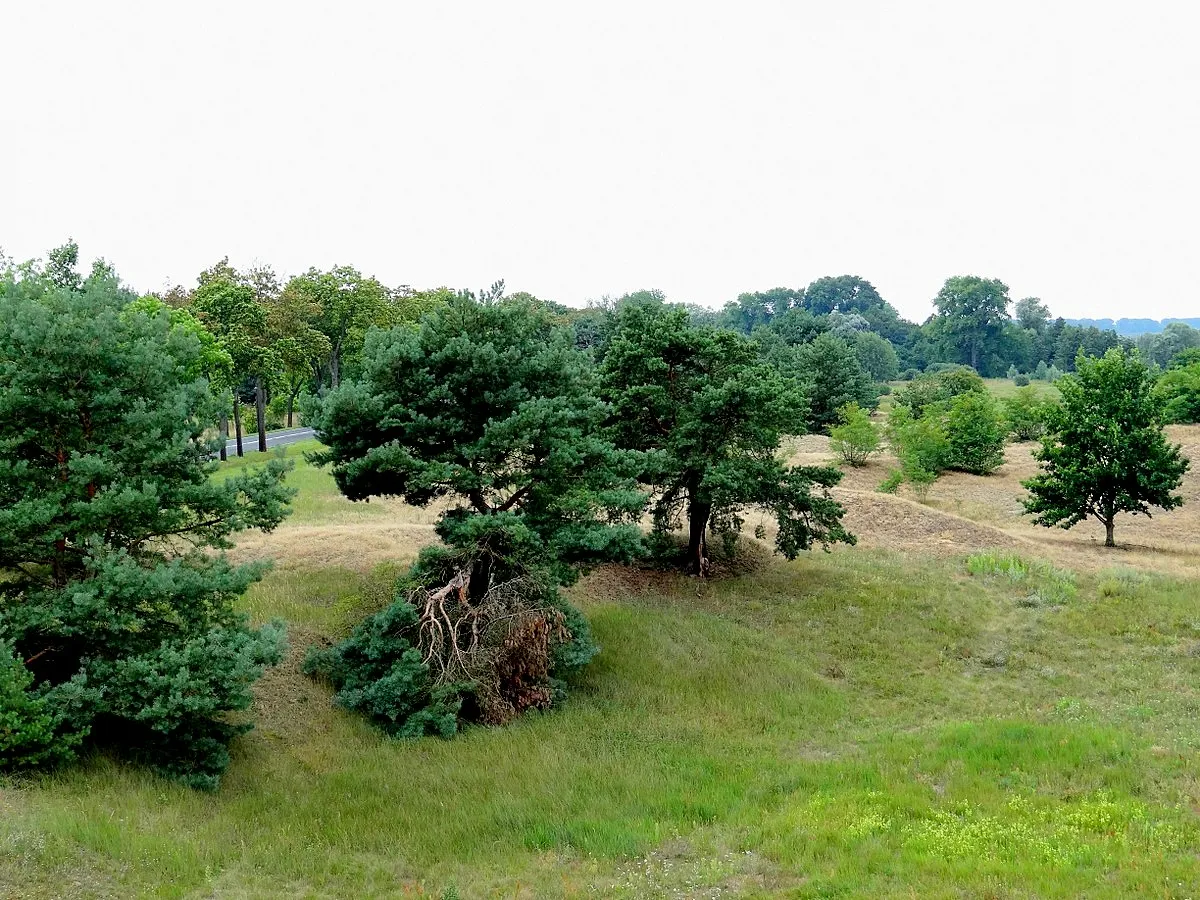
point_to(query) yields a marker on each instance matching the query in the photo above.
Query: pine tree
(117, 624)
(488, 405)
(710, 415)
(1104, 451)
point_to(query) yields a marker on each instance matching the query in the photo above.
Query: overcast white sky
(579, 150)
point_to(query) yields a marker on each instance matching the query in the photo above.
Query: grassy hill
(935, 713)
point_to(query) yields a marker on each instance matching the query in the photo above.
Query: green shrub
(920, 444)
(1026, 414)
(909, 374)
(1013, 372)
(856, 438)
(975, 434)
(939, 386)
(892, 483)
(1178, 390)
(35, 726)
(1021, 380)
(1041, 372)
(379, 671)
(442, 653)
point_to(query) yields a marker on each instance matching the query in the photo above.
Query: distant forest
(1132, 327)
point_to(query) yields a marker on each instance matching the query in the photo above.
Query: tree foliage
(709, 415)
(117, 621)
(1178, 389)
(972, 312)
(856, 437)
(489, 405)
(1104, 452)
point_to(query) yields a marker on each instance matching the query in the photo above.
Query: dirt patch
(899, 524)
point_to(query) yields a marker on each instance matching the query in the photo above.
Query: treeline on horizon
(278, 339)
(1133, 327)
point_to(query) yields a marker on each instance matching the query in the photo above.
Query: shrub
(856, 438)
(1178, 390)
(975, 434)
(33, 730)
(942, 385)
(1026, 414)
(909, 374)
(920, 444)
(1021, 380)
(892, 483)
(1013, 371)
(1041, 372)
(1053, 373)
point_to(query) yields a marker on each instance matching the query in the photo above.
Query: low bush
(469, 637)
(856, 438)
(938, 387)
(1026, 414)
(975, 434)
(1021, 379)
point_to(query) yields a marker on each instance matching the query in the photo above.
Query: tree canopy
(709, 415)
(117, 622)
(1104, 452)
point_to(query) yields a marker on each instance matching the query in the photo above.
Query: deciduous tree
(1104, 452)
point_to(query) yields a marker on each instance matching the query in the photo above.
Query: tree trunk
(1108, 533)
(975, 355)
(223, 427)
(291, 404)
(237, 422)
(260, 413)
(335, 368)
(698, 515)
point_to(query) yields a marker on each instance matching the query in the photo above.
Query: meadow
(961, 706)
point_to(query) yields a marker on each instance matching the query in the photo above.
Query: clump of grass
(1123, 583)
(1048, 585)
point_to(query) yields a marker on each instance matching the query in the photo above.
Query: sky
(582, 150)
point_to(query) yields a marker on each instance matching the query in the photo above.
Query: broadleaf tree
(1104, 452)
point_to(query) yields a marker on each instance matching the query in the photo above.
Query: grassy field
(932, 714)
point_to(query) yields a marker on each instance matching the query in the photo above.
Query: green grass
(1005, 387)
(854, 724)
(317, 498)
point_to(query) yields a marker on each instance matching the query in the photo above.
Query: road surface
(274, 439)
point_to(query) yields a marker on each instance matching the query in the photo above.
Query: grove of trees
(553, 440)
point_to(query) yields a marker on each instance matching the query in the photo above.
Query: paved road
(274, 439)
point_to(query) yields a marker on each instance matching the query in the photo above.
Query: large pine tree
(708, 414)
(117, 624)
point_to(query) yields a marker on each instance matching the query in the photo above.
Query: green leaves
(1105, 452)
(489, 404)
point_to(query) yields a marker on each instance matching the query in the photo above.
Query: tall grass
(823, 728)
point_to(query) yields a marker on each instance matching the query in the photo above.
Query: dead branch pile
(500, 641)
